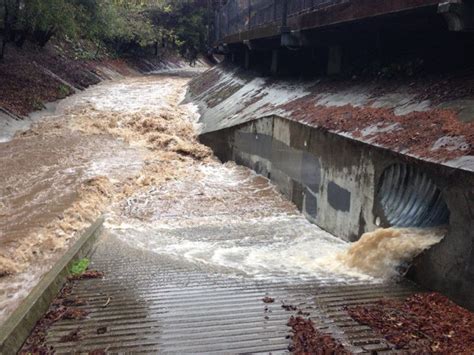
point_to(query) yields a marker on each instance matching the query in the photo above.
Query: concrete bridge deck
(239, 21)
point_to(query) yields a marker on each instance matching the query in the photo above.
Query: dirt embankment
(32, 76)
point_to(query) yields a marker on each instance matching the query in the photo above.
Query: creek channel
(129, 149)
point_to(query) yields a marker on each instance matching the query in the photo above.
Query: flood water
(128, 148)
(227, 217)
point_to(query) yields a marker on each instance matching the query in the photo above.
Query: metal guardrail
(242, 15)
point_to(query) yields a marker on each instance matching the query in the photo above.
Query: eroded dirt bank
(32, 76)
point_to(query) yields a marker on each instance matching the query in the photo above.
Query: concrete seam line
(21, 322)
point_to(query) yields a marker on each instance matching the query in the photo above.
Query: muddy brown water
(128, 148)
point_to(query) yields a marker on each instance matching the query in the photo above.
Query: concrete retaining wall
(22, 321)
(337, 183)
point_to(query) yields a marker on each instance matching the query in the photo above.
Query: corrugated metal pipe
(409, 198)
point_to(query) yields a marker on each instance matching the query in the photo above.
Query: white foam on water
(246, 228)
(261, 257)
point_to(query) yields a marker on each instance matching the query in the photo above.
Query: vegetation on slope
(120, 26)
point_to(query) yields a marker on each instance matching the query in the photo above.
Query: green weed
(79, 267)
(64, 91)
(37, 104)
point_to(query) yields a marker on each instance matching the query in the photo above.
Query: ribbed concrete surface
(157, 303)
(187, 266)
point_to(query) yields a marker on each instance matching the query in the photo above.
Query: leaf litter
(422, 323)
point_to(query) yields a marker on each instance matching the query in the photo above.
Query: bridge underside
(343, 13)
(329, 36)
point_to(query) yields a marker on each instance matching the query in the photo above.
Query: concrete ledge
(21, 322)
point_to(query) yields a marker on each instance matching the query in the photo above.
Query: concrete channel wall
(349, 187)
(18, 326)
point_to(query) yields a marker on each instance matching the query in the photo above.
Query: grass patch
(37, 104)
(64, 91)
(79, 267)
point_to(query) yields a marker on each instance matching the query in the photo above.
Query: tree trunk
(20, 40)
(5, 31)
(46, 38)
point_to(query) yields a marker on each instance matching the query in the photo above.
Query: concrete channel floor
(187, 265)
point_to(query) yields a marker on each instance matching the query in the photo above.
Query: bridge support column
(334, 60)
(274, 69)
(247, 59)
(458, 14)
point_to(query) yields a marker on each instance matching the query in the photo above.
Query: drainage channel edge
(18, 326)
